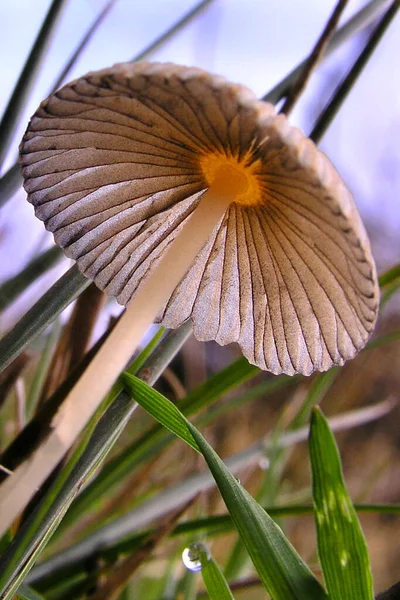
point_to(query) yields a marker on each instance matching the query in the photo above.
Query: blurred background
(256, 43)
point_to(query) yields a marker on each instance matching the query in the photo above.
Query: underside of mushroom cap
(115, 163)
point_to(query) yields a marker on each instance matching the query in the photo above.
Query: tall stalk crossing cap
(116, 162)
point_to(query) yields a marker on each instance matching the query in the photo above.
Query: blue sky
(254, 42)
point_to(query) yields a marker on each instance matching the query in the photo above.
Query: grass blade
(13, 287)
(198, 558)
(98, 440)
(314, 58)
(158, 505)
(157, 438)
(342, 548)
(281, 569)
(27, 593)
(165, 37)
(82, 45)
(50, 305)
(360, 21)
(329, 113)
(28, 77)
(10, 183)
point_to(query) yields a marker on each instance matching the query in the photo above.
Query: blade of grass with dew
(28, 76)
(151, 442)
(342, 549)
(157, 506)
(210, 526)
(42, 314)
(39, 527)
(281, 569)
(13, 287)
(121, 570)
(278, 458)
(96, 443)
(199, 558)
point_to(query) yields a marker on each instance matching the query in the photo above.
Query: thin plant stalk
(28, 77)
(345, 87)
(50, 305)
(360, 21)
(314, 58)
(101, 373)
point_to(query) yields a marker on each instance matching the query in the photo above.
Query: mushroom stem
(89, 391)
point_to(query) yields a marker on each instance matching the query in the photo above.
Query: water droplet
(344, 558)
(263, 463)
(192, 556)
(238, 480)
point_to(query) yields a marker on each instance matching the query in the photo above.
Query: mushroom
(183, 196)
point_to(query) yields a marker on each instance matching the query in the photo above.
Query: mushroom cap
(116, 161)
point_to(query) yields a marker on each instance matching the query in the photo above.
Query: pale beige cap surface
(115, 163)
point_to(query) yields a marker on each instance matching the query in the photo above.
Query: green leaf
(341, 545)
(281, 569)
(198, 558)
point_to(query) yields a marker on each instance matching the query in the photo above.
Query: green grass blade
(160, 504)
(172, 31)
(361, 20)
(150, 443)
(342, 548)
(166, 413)
(281, 569)
(389, 277)
(42, 369)
(59, 564)
(97, 441)
(28, 77)
(50, 305)
(10, 183)
(31, 539)
(13, 287)
(340, 95)
(27, 593)
(82, 45)
(198, 558)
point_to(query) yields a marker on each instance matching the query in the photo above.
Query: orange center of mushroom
(243, 174)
